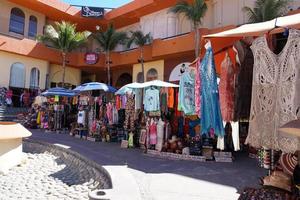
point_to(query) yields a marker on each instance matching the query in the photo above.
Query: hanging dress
(226, 89)
(198, 89)
(210, 106)
(275, 93)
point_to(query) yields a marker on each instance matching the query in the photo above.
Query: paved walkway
(161, 179)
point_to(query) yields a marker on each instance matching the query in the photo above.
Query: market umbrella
(94, 86)
(129, 87)
(58, 91)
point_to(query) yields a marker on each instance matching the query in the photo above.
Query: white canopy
(257, 29)
(136, 85)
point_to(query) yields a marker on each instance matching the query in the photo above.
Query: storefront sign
(92, 12)
(91, 58)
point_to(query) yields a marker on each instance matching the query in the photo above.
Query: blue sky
(98, 3)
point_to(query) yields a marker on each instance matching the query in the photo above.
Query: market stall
(94, 102)
(266, 78)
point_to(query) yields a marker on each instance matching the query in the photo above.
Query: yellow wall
(6, 7)
(73, 75)
(6, 61)
(158, 65)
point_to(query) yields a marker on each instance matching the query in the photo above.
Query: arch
(17, 75)
(32, 31)
(17, 21)
(139, 77)
(123, 79)
(34, 78)
(152, 74)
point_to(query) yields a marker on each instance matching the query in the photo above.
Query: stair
(10, 113)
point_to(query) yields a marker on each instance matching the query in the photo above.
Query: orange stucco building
(25, 63)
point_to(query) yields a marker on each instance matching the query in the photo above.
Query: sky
(99, 3)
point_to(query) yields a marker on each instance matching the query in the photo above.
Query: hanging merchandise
(164, 100)
(170, 97)
(275, 93)
(56, 98)
(186, 101)
(151, 99)
(129, 113)
(81, 117)
(210, 106)
(152, 133)
(138, 98)
(160, 134)
(198, 89)
(109, 113)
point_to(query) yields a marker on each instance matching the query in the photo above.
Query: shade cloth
(58, 91)
(257, 29)
(94, 86)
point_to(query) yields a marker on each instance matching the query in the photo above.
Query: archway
(123, 79)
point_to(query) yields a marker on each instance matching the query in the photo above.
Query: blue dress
(211, 117)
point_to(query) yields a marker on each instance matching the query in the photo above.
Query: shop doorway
(123, 79)
(17, 82)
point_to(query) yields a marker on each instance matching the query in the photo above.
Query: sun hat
(288, 163)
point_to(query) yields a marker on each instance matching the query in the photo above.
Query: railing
(174, 36)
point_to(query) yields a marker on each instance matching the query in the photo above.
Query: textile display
(151, 100)
(171, 97)
(186, 98)
(153, 132)
(138, 98)
(198, 89)
(210, 106)
(129, 112)
(160, 134)
(275, 93)
(226, 89)
(81, 117)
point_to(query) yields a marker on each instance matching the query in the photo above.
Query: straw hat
(288, 163)
(279, 180)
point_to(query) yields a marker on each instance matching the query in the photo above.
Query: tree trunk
(197, 41)
(108, 67)
(64, 68)
(142, 63)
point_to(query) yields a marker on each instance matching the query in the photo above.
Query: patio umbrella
(58, 91)
(94, 86)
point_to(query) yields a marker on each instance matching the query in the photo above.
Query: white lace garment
(275, 94)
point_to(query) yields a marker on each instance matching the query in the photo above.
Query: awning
(257, 29)
(135, 85)
(94, 86)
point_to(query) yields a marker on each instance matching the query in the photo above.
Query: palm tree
(108, 41)
(265, 10)
(140, 40)
(194, 12)
(63, 36)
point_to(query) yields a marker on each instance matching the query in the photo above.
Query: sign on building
(91, 58)
(92, 12)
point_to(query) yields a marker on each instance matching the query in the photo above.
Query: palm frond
(139, 39)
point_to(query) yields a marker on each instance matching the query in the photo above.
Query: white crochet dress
(275, 93)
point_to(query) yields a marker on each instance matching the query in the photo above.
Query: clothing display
(138, 98)
(171, 97)
(160, 134)
(186, 98)
(151, 100)
(243, 86)
(81, 117)
(152, 133)
(226, 89)
(210, 106)
(163, 100)
(198, 89)
(129, 112)
(275, 93)
(109, 112)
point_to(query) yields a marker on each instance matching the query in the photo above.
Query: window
(17, 75)
(34, 78)
(17, 21)
(32, 26)
(152, 74)
(139, 77)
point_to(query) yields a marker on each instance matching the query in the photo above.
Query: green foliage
(63, 36)
(110, 39)
(194, 12)
(265, 10)
(139, 39)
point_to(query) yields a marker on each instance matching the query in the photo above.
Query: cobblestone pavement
(37, 178)
(168, 179)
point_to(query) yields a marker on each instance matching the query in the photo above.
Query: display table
(11, 135)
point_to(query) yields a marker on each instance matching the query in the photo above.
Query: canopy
(135, 85)
(257, 29)
(58, 91)
(94, 86)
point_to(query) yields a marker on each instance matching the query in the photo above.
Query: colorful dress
(211, 117)
(153, 133)
(186, 99)
(226, 89)
(198, 89)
